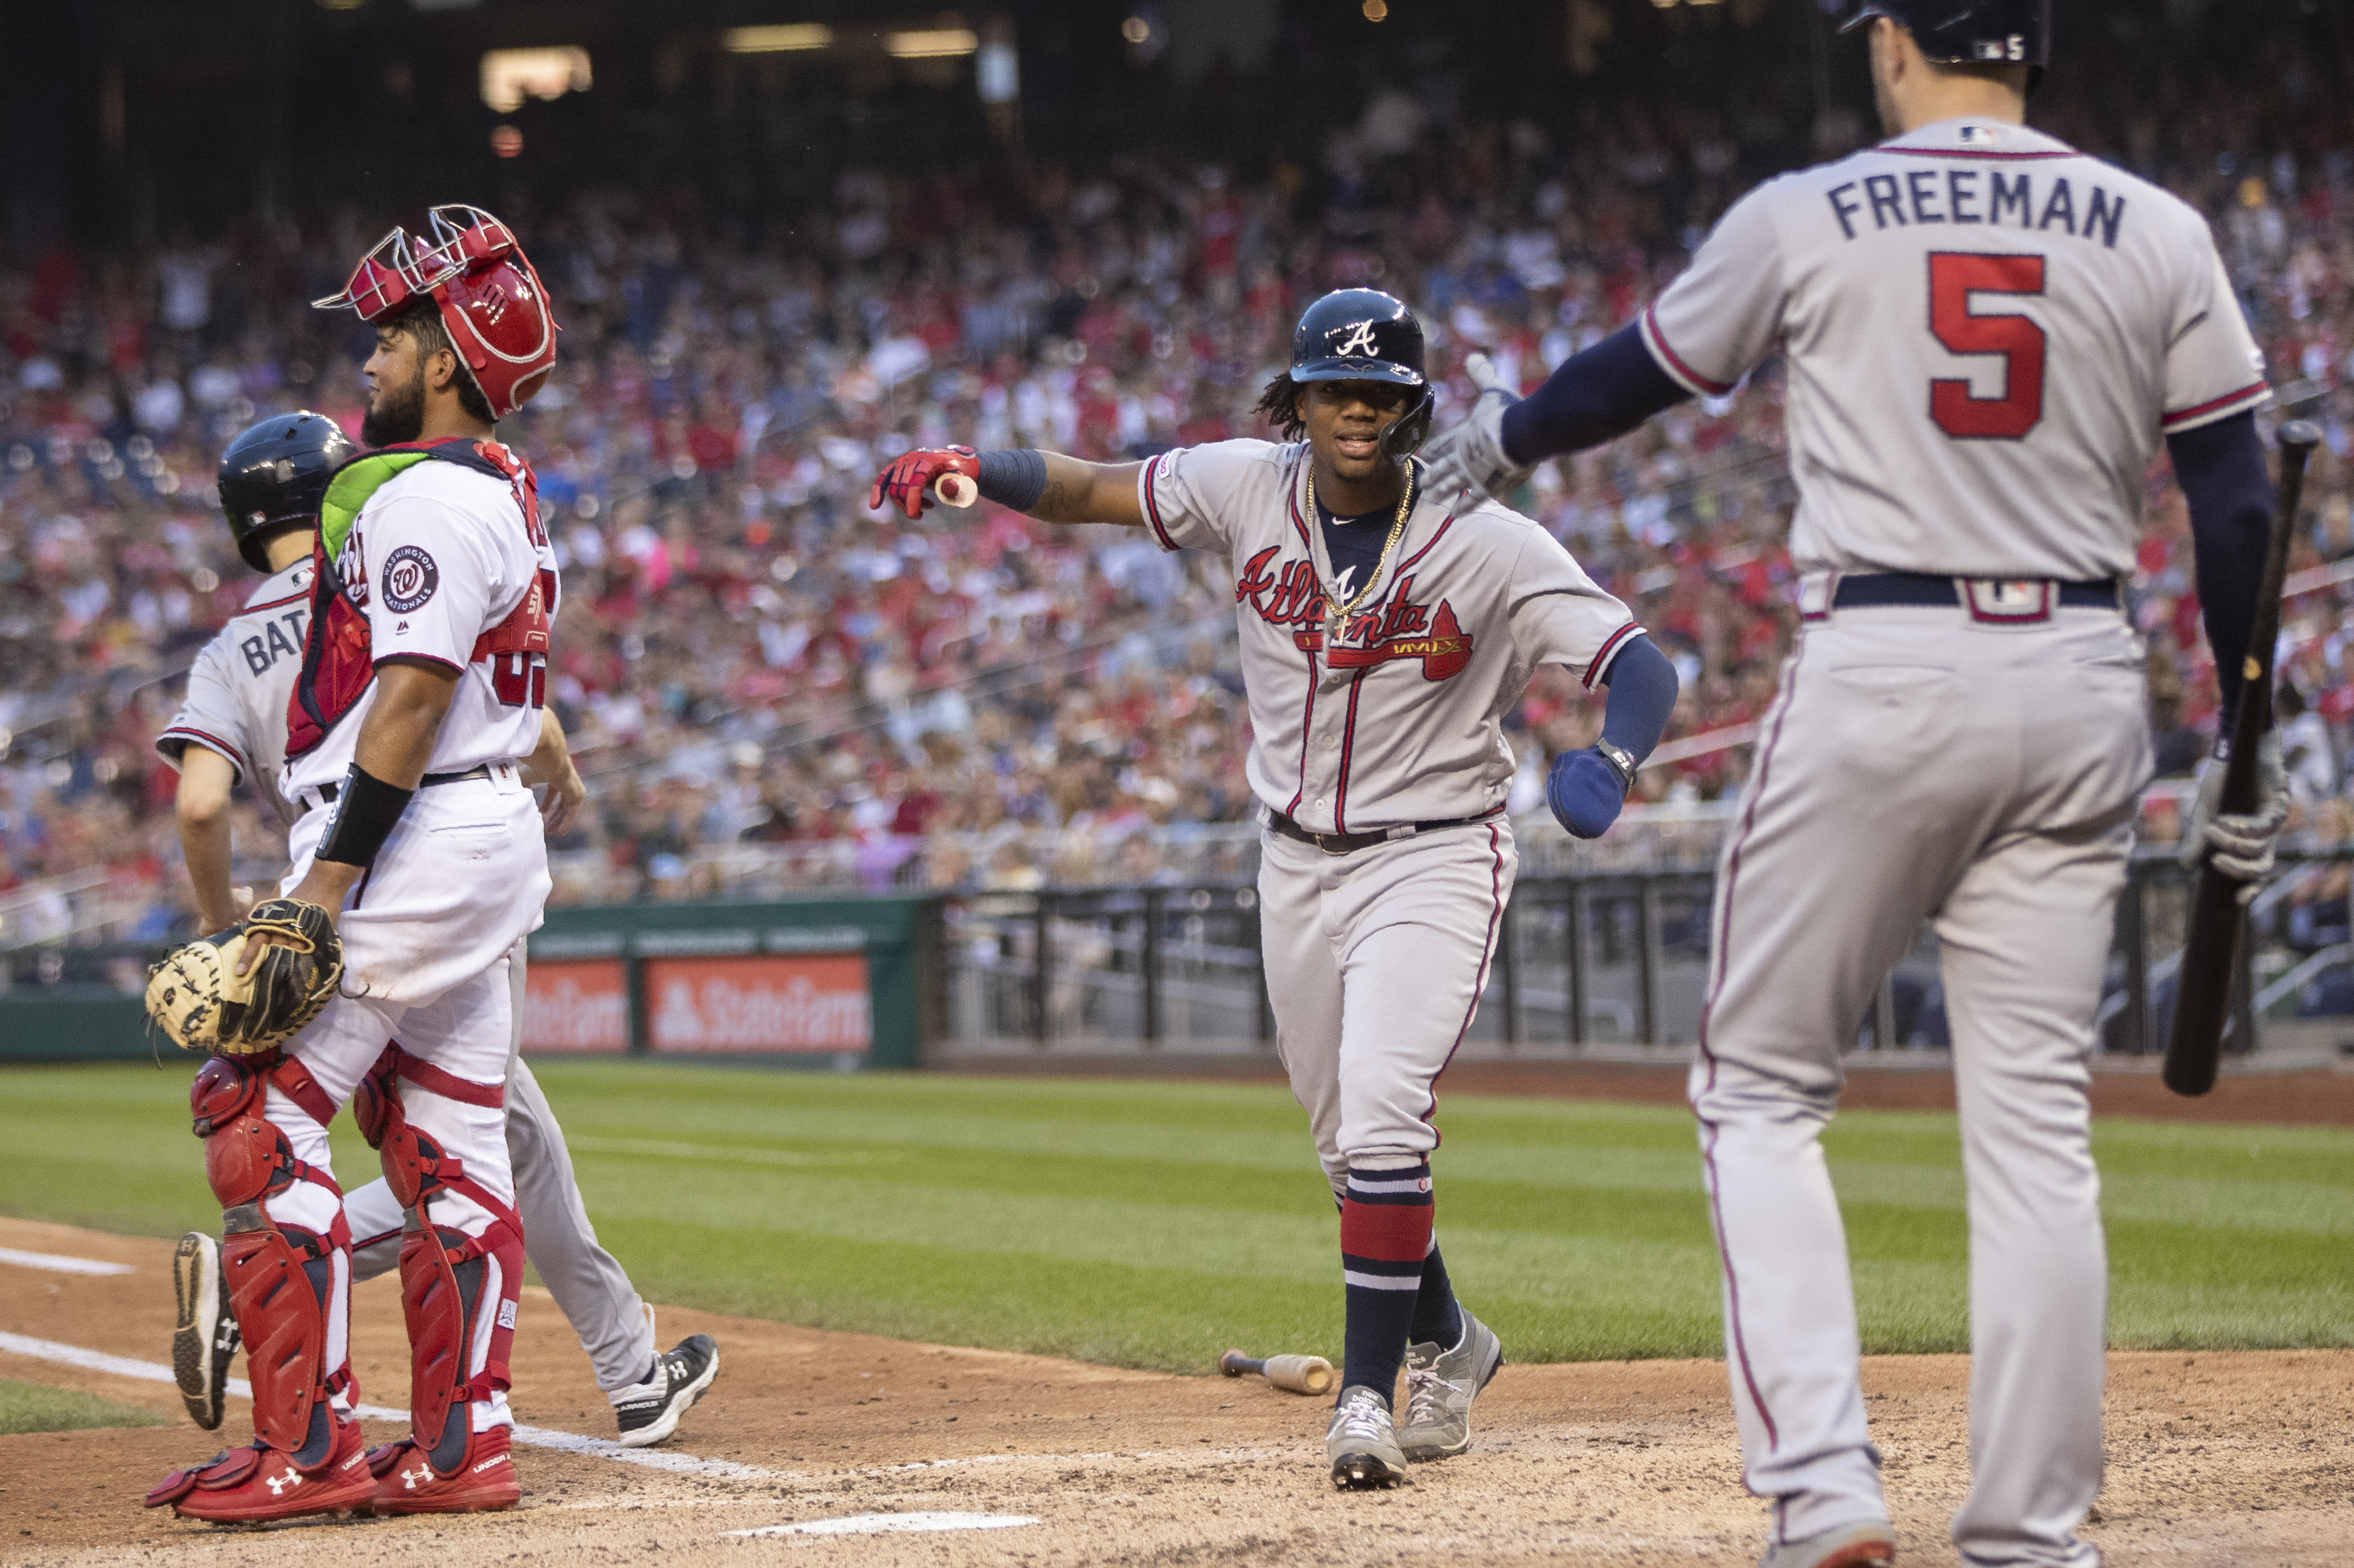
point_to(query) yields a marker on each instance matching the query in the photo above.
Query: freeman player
(1985, 334)
(1388, 624)
(424, 668)
(232, 725)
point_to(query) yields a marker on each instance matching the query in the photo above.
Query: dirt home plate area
(824, 1448)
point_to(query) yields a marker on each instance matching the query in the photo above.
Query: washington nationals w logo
(1359, 343)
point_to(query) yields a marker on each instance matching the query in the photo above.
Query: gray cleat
(1362, 1444)
(1440, 1386)
(204, 1336)
(1871, 1545)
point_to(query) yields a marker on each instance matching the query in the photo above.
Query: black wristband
(365, 813)
(1013, 478)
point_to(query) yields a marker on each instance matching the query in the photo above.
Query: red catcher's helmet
(491, 301)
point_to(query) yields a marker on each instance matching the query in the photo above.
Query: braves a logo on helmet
(1356, 340)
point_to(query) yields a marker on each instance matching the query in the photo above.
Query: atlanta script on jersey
(1397, 718)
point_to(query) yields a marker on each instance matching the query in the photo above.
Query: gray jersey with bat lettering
(236, 705)
(237, 688)
(1985, 335)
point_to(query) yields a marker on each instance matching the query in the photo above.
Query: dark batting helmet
(275, 474)
(1363, 334)
(1970, 32)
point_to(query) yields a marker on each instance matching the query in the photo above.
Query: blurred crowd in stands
(747, 658)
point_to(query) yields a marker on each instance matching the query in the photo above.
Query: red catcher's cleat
(258, 1483)
(405, 1481)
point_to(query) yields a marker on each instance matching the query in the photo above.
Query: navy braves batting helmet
(274, 476)
(1363, 334)
(1969, 32)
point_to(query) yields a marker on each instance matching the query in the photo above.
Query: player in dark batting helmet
(274, 475)
(1357, 334)
(1969, 32)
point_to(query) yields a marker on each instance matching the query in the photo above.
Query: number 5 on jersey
(1954, 278)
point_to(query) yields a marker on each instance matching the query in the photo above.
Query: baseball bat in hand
(1300, 1374)
(2210, 943)
(954, 489)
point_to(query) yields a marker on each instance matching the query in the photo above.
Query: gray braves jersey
(1985, 333)
(238, 686)
(1397, 718)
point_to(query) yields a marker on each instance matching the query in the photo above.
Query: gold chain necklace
(1336, 614)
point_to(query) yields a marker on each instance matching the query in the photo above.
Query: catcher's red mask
(490, 298)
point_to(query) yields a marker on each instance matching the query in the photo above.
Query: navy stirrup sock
(1385, 1218)
(1437, 1320)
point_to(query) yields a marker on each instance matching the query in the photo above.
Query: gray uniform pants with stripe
(1916, 767)
(1375, 965)
(592, 1290)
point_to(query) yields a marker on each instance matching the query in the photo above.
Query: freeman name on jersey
(1977, 196)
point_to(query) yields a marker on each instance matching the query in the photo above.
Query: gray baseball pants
(1375, 965)
(1920, 766)
(592, 1290)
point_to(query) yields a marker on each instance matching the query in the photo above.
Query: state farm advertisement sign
(771, 1001)
(576, 1004)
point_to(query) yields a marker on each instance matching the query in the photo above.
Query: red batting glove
(910, 477)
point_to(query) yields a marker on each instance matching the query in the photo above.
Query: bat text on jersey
(272, 644)
(1975, 195)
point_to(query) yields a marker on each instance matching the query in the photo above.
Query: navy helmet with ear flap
(1363, 334)
(275, 474)
(1969, 32)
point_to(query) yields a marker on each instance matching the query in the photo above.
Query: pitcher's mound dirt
(2213, 1458)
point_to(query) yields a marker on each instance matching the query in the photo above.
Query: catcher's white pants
(1375, 965)
(1918, 767)
(427, 936)
(593, 1289)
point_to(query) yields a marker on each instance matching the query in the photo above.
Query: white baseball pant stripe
(1918, 767)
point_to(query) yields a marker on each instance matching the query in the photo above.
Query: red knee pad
(445, 1276)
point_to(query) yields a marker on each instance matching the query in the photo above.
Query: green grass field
(29, 1407)
(1155, 1225)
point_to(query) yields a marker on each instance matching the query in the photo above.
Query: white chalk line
(893, 1524)
(57, 1262)
(531, 1437)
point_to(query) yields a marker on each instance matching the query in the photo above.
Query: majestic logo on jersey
(409, 578)
(1356, 342)
(1396, 628)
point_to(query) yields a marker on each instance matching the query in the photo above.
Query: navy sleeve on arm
(1642, 695)
(2221, 468)
(1595, 396)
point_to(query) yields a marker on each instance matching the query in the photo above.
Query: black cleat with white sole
(205, 1337)
(649, 1412)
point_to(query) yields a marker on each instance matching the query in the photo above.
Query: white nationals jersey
(440, 558)
(235, 702)
(1397, 720)
(1986, 333)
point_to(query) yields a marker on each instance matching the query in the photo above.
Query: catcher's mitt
(196, 997)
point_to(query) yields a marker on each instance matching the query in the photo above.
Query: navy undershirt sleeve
(2221, 468)
(1642, 695)
(1595, 396)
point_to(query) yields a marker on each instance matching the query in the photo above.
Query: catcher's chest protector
(337, 660)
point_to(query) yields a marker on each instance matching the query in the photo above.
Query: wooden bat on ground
(1300, 1374)
(2211, 944)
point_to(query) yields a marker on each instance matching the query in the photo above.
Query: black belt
(1349, 843)
(1872, 591)
(329, 791)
